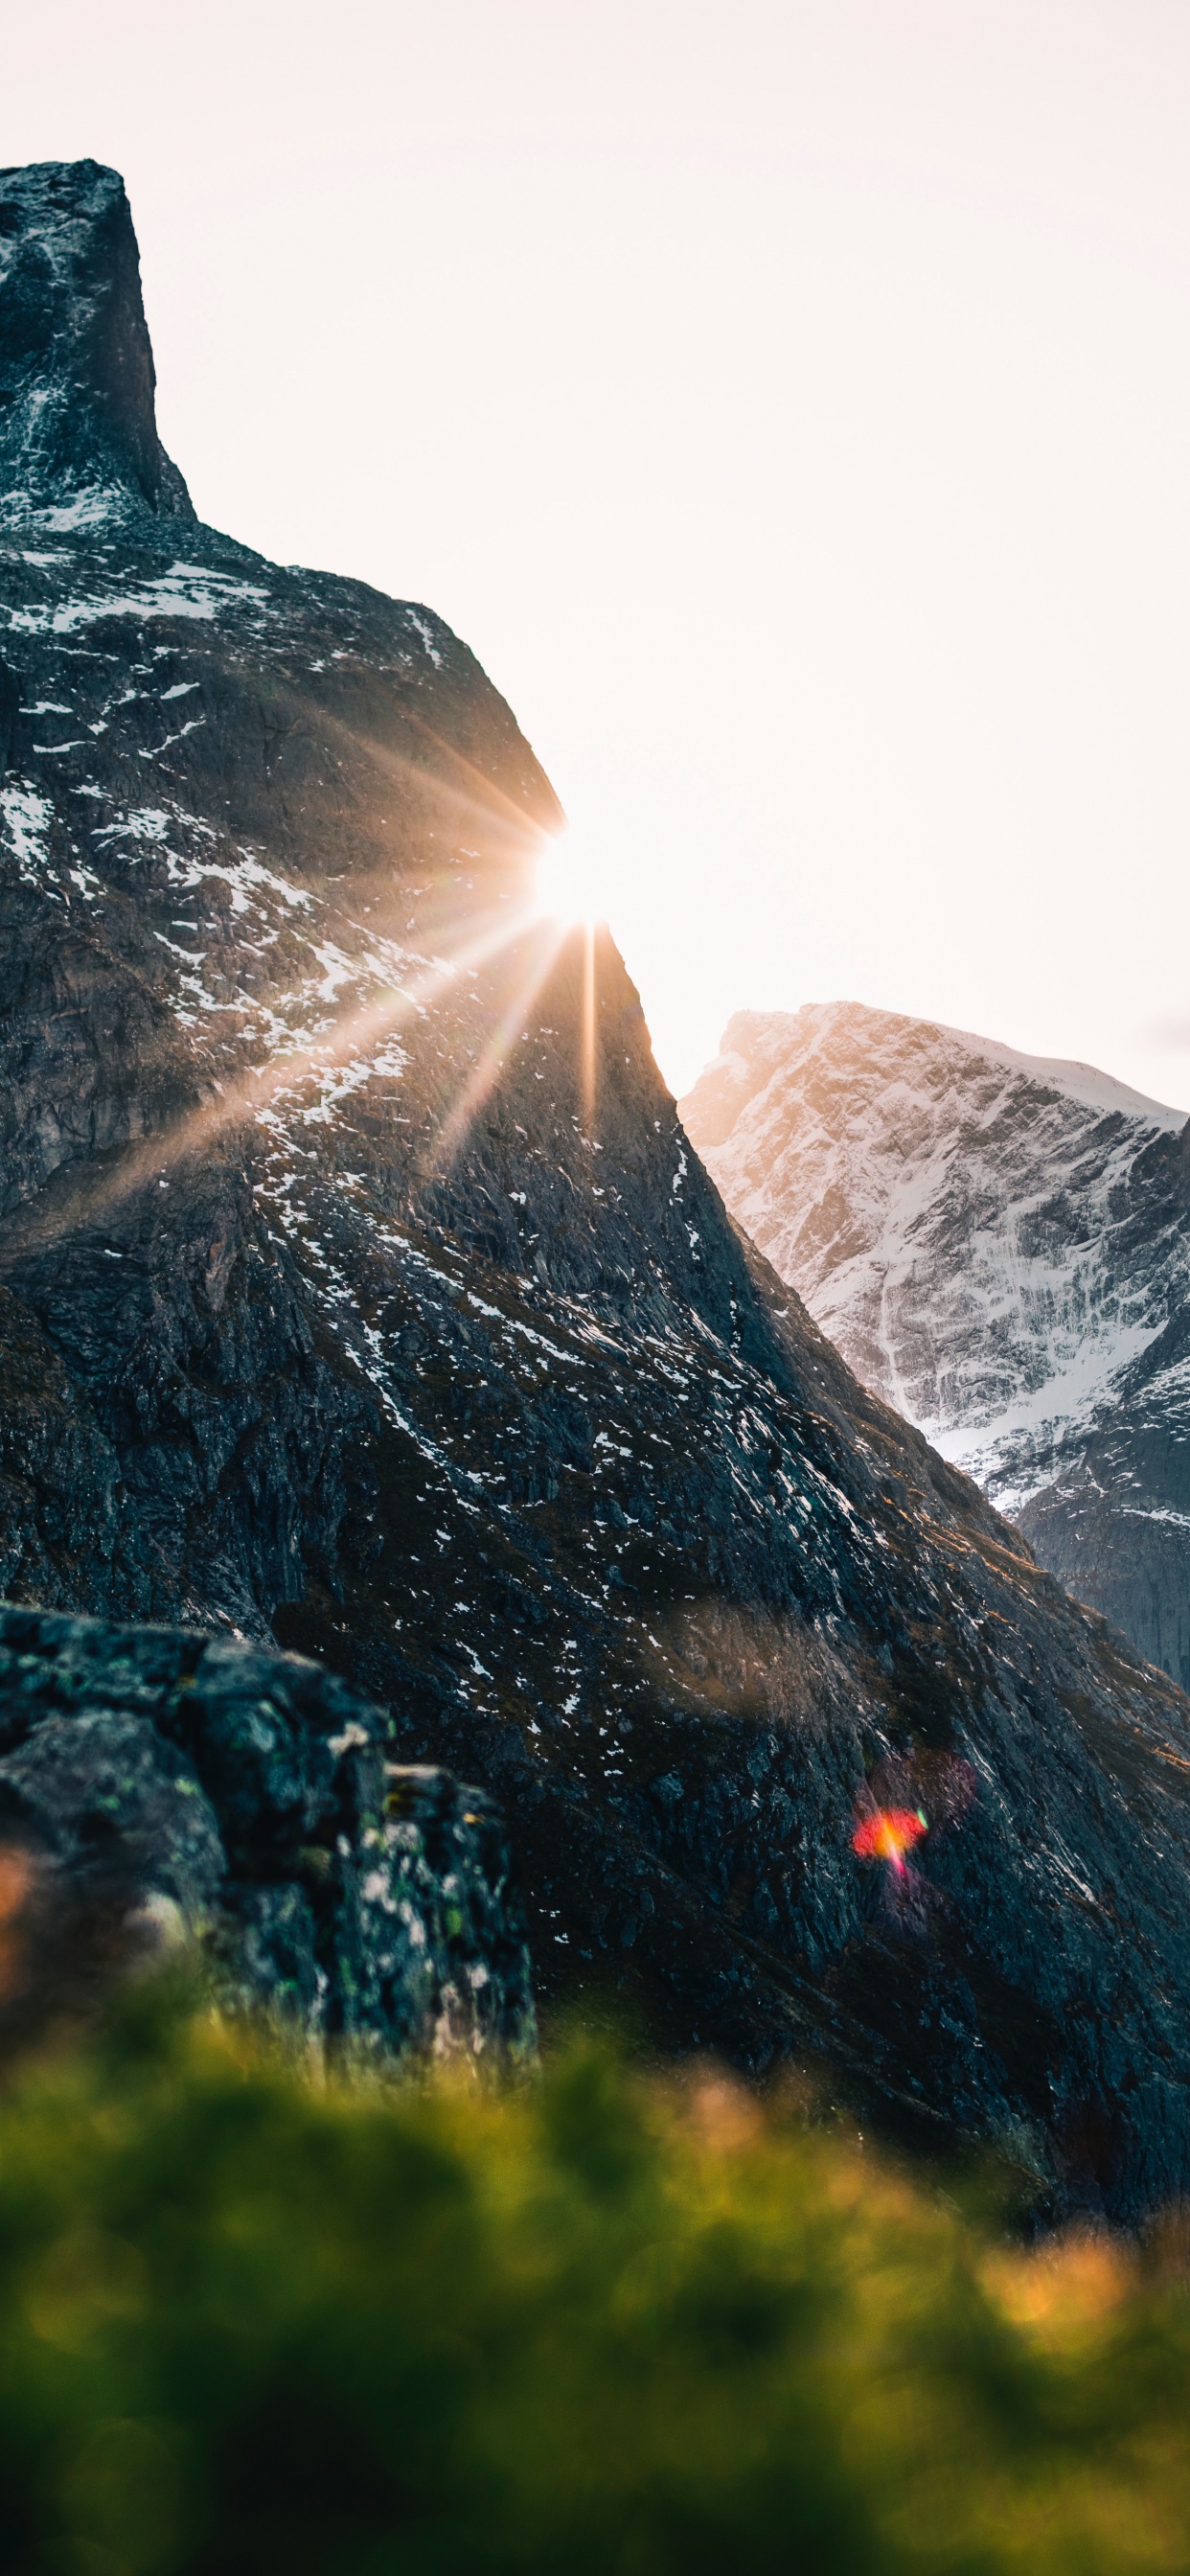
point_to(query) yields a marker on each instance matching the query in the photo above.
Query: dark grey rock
(78, 426)
(103, 1792)
(362, 1291)
(365, 1902)
(271, 1946)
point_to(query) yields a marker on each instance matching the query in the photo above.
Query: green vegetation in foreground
(250, 2323)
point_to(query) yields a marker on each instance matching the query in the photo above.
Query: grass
(253, 2321)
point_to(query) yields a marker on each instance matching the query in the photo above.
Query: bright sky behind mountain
(789, 403)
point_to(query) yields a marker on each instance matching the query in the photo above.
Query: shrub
(251, 2321)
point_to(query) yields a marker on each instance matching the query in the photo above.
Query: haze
(789, 404)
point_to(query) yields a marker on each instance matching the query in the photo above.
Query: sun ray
(259, 1085)
(587, 1084)
(451, 1133)
(476, 798)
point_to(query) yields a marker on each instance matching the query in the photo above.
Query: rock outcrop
(1000, 1246)
(78, 423)
(245, 1798)
(362, 1291)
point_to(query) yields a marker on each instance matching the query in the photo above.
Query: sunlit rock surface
(1000, 1246)
(361, 1289)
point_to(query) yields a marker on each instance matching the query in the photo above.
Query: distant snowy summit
(998, 1244)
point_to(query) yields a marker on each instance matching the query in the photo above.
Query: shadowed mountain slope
(1000, 1246)
(361, 1288)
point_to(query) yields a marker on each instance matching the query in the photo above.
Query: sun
(568, 887)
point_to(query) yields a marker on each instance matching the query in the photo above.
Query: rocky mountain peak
(361, 1293)
(997, 1243)
(78, 426)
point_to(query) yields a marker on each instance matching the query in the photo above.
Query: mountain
(361, 1291)
(1000, 1246)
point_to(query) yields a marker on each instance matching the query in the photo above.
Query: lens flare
(889, 1834)
(905, 1798)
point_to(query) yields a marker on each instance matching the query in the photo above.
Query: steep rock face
(1000, 1246)
(248, 1794)
(361, 1289)
(77, 419)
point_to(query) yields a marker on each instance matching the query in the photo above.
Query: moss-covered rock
(248, 1797)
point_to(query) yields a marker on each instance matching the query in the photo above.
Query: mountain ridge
(1081, 1081)
(996, 1242)
(360, 1288)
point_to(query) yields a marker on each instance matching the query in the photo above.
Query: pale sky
(788, 400)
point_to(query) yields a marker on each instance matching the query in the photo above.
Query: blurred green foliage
(254, 2321)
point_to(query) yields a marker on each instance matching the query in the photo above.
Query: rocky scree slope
(361, 1289)
(1000, 1247)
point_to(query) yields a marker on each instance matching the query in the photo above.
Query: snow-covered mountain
(360, 1291)
(999, 1245)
